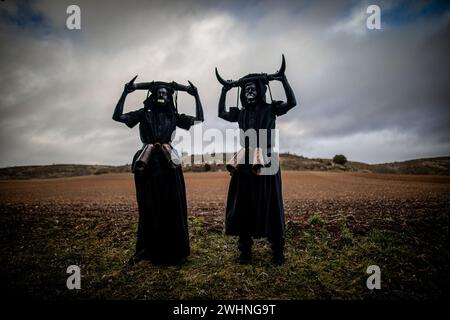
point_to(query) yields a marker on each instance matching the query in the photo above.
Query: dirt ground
(212, 186)
(337, 224)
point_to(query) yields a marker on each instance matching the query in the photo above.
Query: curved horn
(132, 80)
(191, 84)
(283, 66)
(281, 71)
(224, 82)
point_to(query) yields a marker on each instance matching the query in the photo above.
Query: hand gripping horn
(280, 72)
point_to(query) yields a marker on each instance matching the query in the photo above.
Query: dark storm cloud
(373, 95)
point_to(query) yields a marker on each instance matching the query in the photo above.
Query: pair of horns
(231, 83)
(154, 84)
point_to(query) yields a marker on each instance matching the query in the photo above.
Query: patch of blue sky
(26, 18)
(408, 12)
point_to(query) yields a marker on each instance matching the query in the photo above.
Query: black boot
(277, 245)
(245, 257)
(278, 258)
(136, 258)
(245, 246)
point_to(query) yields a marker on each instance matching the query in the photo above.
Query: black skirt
(161, 196)
(255, 205)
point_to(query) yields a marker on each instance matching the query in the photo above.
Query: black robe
(160, 190)
(255, 202)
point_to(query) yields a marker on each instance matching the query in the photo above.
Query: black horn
(229, 83)
(132, 80)
(178, 87)
(153, 84)
(144, 85)
(280, 72)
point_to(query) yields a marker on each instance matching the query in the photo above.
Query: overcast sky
(373, 95)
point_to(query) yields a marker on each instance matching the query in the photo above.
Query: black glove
(129, 87)
(192, 90)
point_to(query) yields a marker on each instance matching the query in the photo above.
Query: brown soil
(411, 208)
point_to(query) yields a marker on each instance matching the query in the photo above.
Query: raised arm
(231, 115)
(192, 90)
(118, 111)
(291, 102)
(130, 118)
(185, 121)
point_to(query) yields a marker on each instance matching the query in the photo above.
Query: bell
(238, 158)
(143, 158)
(258, 161)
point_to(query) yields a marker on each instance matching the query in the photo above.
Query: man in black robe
(255, 202)
(162, 235)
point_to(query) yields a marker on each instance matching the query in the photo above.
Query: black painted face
(162, 96)
(250, 92)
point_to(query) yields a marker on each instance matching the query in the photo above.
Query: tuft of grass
(346, 235)
(315, 220)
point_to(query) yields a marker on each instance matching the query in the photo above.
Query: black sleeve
(132, 118)
(280, 107)
(232, 115)
(184, 121)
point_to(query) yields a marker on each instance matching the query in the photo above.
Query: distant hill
(58, 171)
(435, 166)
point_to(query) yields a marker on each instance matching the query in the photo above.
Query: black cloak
(162, 235)
(255, 202)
